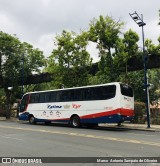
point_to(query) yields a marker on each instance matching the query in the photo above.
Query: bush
(139, 109)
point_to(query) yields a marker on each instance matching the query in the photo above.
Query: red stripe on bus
(125, 112)
(121, 111)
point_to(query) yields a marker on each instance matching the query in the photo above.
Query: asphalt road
(19, 139)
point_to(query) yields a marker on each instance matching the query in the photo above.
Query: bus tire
(75, 121)
(32, 119)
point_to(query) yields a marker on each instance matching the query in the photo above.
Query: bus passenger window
(32, 98)
(53, 96)
(88, 94)
(36, 98)
(64, 95)
(41, 98)
(77, 94)
(108, 92)
(94, 93)
(47, 97)
(58, 96)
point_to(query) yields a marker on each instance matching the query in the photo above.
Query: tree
(150, 47)
(11, 51)
(69, 60)
(105, 32)
(10, 47)
(125, 49)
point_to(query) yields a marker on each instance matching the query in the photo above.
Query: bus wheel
(32, 120)
(75, 121)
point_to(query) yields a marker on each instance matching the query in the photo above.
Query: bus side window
(32, 98)
(87, 93)
(47, 97)
(108, 92)
(67, 95)
(94, 93)
(58, 96)
(78, 95)
(64, 95)
(53, 96)
(36, 98)
(41, 97)
(71, 95)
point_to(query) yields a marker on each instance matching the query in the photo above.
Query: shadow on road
(104, 128)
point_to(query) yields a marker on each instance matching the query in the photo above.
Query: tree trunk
(8, 103)
(112, 78)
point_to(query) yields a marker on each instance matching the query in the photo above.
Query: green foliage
(12, 53)
(105, 32)
(154, 78)
(125, 49)
(10, 46)
(151, 48)
(69, 60)
(130, 41)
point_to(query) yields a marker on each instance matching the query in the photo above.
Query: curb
(130, 128)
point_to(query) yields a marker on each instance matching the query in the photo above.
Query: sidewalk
(142, 127)
(131, 126)
(12, 119)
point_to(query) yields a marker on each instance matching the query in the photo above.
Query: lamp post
(139, 21)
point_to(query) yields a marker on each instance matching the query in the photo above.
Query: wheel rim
(75, 121)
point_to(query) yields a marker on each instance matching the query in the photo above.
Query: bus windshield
(126, 90)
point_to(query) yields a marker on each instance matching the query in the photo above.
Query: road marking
(86, 136)
(5, 136)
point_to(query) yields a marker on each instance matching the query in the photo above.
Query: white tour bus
(90, 105)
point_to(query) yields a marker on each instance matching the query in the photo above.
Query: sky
(39, 21)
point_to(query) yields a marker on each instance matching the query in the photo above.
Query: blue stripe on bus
(104, 119)
(108, 119)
